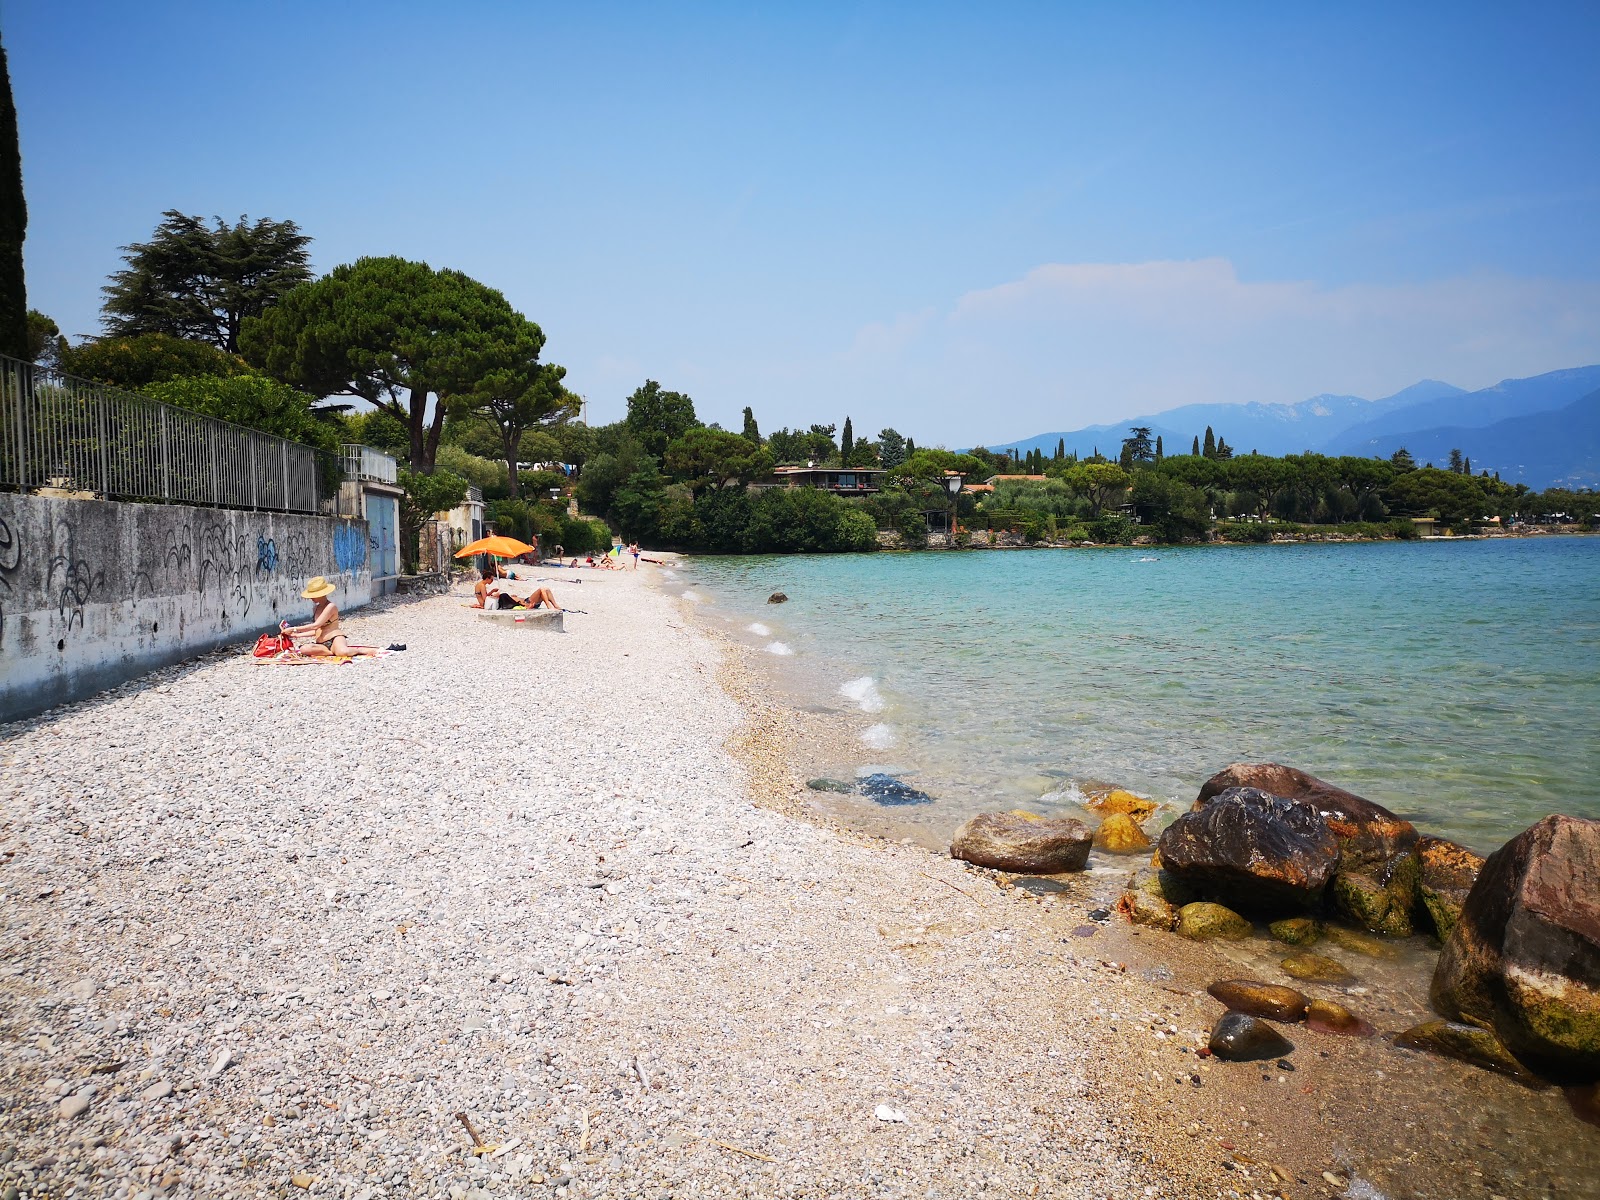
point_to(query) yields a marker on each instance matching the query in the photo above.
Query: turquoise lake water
(1455, 682)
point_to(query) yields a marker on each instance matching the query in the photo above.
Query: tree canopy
(136, 362)
(201, 282)
(518, 399)
(657, 417)
(713, 458)
(251, 400)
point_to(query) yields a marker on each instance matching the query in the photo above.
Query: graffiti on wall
(71, 578)
(266, 555)
(349, 548)
(226, 565)
(10, 560)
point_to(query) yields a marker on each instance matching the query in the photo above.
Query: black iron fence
(83, 438)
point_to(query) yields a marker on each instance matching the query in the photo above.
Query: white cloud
(1069, 344)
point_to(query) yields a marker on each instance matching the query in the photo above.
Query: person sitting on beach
(326, 636)
(486, 588)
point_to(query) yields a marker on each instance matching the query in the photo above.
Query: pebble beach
(270, 929)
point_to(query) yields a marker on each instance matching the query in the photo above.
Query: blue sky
(973, 223)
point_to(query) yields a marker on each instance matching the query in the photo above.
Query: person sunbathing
(326, 635)
(540, 598)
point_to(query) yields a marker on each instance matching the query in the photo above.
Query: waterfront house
(844, 481)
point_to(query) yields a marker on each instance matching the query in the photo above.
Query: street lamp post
(952, 484)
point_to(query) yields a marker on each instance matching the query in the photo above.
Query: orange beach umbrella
(500, 547)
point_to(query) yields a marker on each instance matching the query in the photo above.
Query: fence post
(19, 383)
(283, 451)
(255, 477)
(101, 405)
(166, 458)
(216, 479)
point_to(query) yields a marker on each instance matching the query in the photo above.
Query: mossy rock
(1146, 906)
(1297, 931)
(1316, 968)
(1381, 900)
(1117, 802)
(1203, 922)
(830, 785)
(1120, 834)
(1468, 1043)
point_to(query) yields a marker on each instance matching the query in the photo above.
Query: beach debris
(1120, 834)
(1524, 958)
(1468, 1043)
(952, 887)
(884, 1113)
(777, 598)
(1239, 1037)
(1448, 873)
(1368, 833)
(1026, 845)
(1202, 921)
(1258, 999)
(1325, 1016)
(1316, 968)
(1253, 850)
(1296, 931)
(480, 1148)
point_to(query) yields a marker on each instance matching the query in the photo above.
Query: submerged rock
(1468, 1043)
(1524, 958)
(1027, 845)
(1241, 1038)
(1120, 834)
(777, 598)
(1117, 802)
(1297, 931)
(1368, 833)
(1585, 1102)
(830, 785)
(1256, 999)
(1327, 1017)
(1381, 898)
(1316, 968)
(1253, 850)
(886, 789)
(1448, 873)
(1203, 921)
(1361, 943)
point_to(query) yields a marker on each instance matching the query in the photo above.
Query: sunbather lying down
(489, 595)
(324, 632)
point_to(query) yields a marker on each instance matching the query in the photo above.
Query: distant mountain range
(1543, 431)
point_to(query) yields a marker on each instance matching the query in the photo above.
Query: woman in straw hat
(324, 631)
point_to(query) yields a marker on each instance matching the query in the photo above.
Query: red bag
(268, 645)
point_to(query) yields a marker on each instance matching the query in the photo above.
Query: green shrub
(1111, 530)
(1244, 531)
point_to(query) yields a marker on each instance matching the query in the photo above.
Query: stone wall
(96, 592)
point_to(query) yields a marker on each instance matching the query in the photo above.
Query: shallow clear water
(1455, 682)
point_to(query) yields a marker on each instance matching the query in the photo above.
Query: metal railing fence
(59, 431)
(363, 462)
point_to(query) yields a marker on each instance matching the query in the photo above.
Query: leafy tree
(196, 281)
(577, 443)
(657, 417)
(847, 441)
(486, 474)
(712, 458)
(136, 362)
(45, 343)
(1401, 460)
(424, 496)
(13, 226)
(539, 446)
(1096, 482)
(1136, 446)
(392, 332)
(1458, 500)
(1263, 477)
(1176, 511)
(891, 448)
(751, 432)
(519, 396)
(1455, 462)
(380, 430)
(253, 401)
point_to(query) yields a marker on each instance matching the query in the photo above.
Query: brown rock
(1524, 958)
(1202, 921)
(1448, 873)
(1238, 1037)
(1327, 1017)
(1256, 999)
(1368, 833)
(1120, 834)
(1117, 801)
(1254, 850)
(1144, 902)
(1297, 931)
(1360, 943)
(1027, 845)
(1381, 898)
(1585, 1102)
(1468, 1043)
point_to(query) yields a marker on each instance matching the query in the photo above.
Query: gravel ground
(268, 929)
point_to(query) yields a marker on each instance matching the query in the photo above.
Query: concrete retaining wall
(96, 592)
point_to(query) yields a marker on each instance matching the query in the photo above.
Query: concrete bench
(546, 619)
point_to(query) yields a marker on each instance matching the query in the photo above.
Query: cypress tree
(911, 447)
(1195, 449)
(750, 431)
(13, 226)
(847, 442)
(1160, 454)
(1210, 450)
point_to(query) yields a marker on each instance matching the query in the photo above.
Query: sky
(973, 223)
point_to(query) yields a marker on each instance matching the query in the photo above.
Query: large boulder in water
(1255, 850)
(1023, 843)
(1368, 833)
(1524, 958)
(1448, 873)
